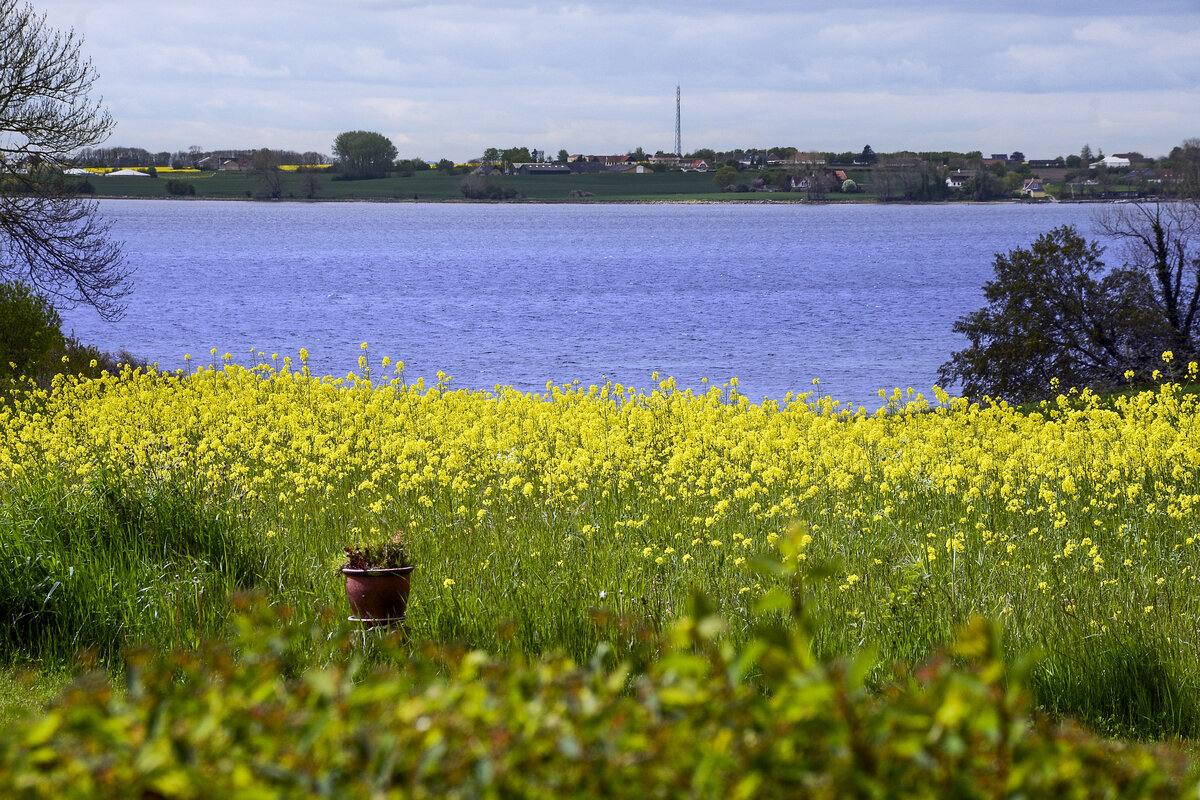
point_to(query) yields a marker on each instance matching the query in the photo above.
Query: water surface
(861, 297)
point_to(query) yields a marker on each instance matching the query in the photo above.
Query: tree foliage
(1056, 313)
(30, 330)
(725, 177)
(364, 154)
(268, 177)
(51, 238)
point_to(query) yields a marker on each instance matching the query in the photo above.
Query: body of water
(861, 297)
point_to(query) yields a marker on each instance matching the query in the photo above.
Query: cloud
(452, 78)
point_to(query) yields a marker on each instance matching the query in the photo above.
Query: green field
(433, 186)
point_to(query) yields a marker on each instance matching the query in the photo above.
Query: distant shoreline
(682, 200)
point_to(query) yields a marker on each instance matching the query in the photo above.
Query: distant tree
(310, 184)
(984, 186)
(181, 188)
(1185, 162)
(478, 187)
(867, 156)
(638, 155)
(725, 177)
(364, 154)
(1017, 157)
(491, 155)
(516, 155)
(268, 177)
(51, 238)
(445, 166)
(562, 156)
(1073, 161)
(1085, 155)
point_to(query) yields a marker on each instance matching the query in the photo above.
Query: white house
(1112, 162)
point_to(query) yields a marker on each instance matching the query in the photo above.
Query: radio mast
(678, 144)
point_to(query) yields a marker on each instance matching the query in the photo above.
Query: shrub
(243, 718)
(30, 331)
(477, 187)
(179, 187)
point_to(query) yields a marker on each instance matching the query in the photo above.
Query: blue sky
(448, 79)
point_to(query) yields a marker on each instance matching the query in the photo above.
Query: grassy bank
(133, 506)
(433, 186)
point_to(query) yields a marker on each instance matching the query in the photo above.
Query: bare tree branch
(50, 237)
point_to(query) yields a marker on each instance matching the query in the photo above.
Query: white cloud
(452, 78)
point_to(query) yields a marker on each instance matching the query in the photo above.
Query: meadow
(135, 506)
(431, 185)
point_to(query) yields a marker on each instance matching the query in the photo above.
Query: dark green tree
(268, 177)
(1055, 313)
(726, 177)
(30, 331)
(516, 155)
(364, 154)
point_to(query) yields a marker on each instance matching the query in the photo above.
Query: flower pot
(378, 596)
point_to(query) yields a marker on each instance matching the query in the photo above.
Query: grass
(433, 186)
(133, 508)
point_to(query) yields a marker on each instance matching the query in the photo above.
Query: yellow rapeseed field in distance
(1070, 520)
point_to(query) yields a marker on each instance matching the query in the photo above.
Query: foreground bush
(30, 331)
(1073, 522)
(705, 720)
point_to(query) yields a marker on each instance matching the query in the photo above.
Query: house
(582, 167)
(605, 160)
(958, 178)
(630, 169)
(807, 159)
(1032, 187)
(533, 168)
(694, 165)
(1112, 162)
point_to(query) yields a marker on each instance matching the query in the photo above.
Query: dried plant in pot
(377, 581)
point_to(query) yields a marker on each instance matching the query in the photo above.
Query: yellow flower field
(1074, 523)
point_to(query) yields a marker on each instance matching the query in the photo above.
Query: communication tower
(678, 142)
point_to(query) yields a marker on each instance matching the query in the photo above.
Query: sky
(449, 79)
